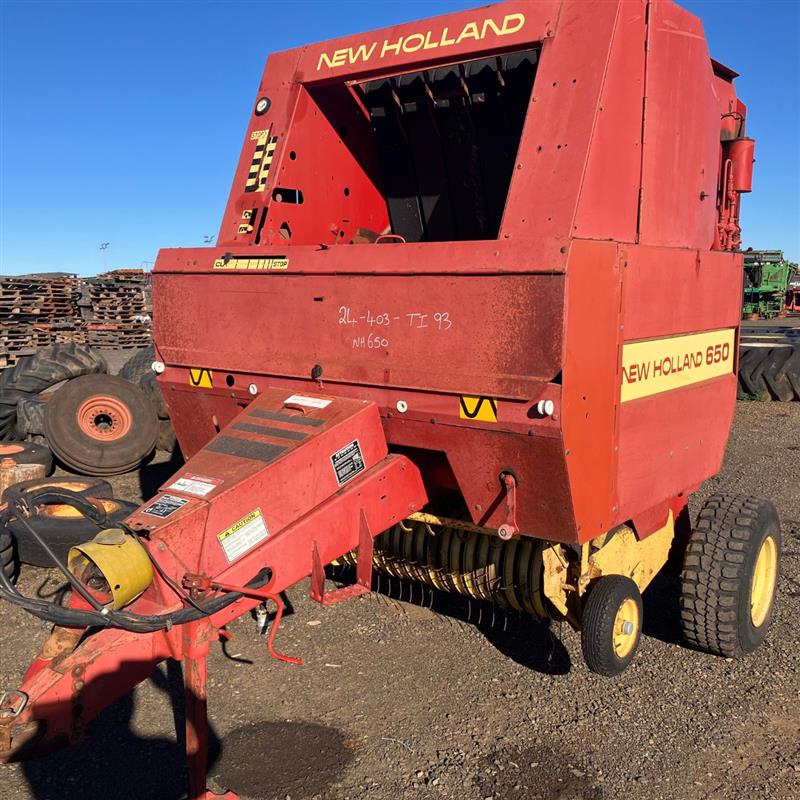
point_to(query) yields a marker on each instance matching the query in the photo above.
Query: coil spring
(476, 565)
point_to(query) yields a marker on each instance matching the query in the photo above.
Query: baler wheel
(101, 425)
(611, 628)
(730, 575)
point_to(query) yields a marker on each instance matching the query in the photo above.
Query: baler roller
(467, 562)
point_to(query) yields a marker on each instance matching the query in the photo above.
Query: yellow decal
(658, 365)
(202, 378)
(268, 262)
(243, 535)
(429, 40)
(246, 225)
(483, 409)
(262, 159)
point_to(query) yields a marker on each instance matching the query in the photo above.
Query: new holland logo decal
(476, 31)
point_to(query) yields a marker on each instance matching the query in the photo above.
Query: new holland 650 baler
(476, 293)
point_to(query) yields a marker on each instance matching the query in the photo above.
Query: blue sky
(121, 122)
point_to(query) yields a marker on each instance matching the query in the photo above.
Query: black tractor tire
(775, 377)
(30, 416)
(8, 557)
(600, 621)
(751, 369)
(150, 387)
(791, 368)
(9, 398)
(89, 487)
(61, 532)
(138, 365)
(166, 440)
(719, 580)
(27, 453)
(45, 368)
(114, 433)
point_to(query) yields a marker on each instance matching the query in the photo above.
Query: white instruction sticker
(195, 485)
(243, 535)
(310, 402)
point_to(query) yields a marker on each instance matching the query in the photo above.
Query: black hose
(101, 616)
(136, 623)
(76, 584)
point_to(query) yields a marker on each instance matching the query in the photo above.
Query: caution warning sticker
(243, 535)
(483, 409)
(202, 378)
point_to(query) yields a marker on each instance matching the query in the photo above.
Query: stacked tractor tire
(769, 373)
(59, 406)
(94, 423)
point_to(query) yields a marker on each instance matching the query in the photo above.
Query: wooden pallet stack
(34, 311)
(116, 307)
(111, 310)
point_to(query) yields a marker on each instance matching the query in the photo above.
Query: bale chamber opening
(437, 147)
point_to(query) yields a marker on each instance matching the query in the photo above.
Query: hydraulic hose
(101, 616)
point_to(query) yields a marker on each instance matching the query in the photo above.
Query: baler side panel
(283, 97)
(477, 335)
(477, 457)
(555, 142)
(681, 141)
(590, 382)
(327, 155)
(671, 441)
(672, 291)
(608, 205)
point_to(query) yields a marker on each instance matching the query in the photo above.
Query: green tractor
(766, 278)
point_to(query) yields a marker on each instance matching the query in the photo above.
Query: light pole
(104, 247)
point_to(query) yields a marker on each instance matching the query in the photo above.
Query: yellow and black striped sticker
(483, 409)
(262, 159)
(201, 377)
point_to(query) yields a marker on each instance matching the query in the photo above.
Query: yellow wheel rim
(626, 628)
(765, 575)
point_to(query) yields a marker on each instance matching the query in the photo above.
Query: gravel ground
(395, 701)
